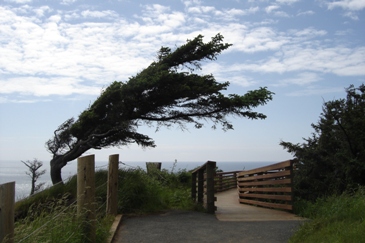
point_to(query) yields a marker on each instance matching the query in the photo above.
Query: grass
(50, 216)
(333, 219)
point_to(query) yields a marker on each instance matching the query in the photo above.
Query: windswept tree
(168, 92)
(34, 173)
(332, 160)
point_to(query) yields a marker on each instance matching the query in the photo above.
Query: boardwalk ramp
(230, 209)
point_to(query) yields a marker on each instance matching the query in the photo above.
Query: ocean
(15, 171)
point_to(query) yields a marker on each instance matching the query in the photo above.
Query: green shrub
(51, 215)
(142, 192)
(333, 219)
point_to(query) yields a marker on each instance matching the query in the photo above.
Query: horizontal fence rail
(225, 180)
(202, 189)
(268, 186)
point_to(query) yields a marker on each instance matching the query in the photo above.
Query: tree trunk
(57, 163)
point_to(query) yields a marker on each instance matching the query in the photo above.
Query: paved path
(233, 222)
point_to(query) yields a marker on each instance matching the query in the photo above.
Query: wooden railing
(86, 210)
(268, 186)
(202, 190)
(225, 180)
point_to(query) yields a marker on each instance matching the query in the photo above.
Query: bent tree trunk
(57, 163)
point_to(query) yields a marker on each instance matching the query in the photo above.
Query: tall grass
(141, 192)
(50, 216)
(333, 219)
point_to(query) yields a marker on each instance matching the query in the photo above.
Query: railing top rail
(276, 166)
(227, 172)
(203, 167)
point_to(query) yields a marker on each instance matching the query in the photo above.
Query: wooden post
(112, 192)
(291, 184)
(86, 196)
(220, 183)
(210, 170)
(200, 186)
(153, 166)
(193, 186)
(7, 202)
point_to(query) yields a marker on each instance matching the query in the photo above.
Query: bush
(333, 219)
(50, 215)
(142, 192)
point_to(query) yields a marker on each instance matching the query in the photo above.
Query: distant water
(15, 171)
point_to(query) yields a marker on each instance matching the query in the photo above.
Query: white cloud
(99, 14)
(351, 15)
(306, 13)
(46, 86)
(18, 1)
(258, 39)
(281, 14)
(188, 3)
(271, 8)
(68, 2)
(308, 32)
(21, 100)
(340, 61)
(301, 79)
(287, 1)
(39, 44)
(352, 5)
(315, 90)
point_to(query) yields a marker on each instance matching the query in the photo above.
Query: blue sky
(56, 56)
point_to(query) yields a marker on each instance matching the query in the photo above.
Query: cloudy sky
(56, 56)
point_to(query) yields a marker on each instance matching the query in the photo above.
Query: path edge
(114, 228)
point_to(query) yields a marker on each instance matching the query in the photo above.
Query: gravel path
(190, 226)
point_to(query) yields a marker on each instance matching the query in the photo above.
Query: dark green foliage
(142, 192)
(166, 93)
(50, 216)
(332, 160)
(337, 218)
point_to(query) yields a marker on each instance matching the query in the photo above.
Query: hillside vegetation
(50, 216)
(329, 180)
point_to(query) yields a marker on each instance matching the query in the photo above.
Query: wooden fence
(268, 186)
(202, 190)
(225, 180)
(85, 198)
(7, 202)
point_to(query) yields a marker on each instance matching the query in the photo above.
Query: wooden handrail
(202, 189)
(269, 186)
(225, 180)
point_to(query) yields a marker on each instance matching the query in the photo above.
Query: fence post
(7, 202)
(200, 186)
(153, 166)
(210, 170)
(193, 186)
(112, 191)
(86, 196)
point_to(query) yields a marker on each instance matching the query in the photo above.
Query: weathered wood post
(200, 186)
(153, 166)
(193, 186)
(210, 172)
(220, 182)
(86, 196)
(7, 202)
(112, 191)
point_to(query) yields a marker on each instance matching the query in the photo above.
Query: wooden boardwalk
(229, 209)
